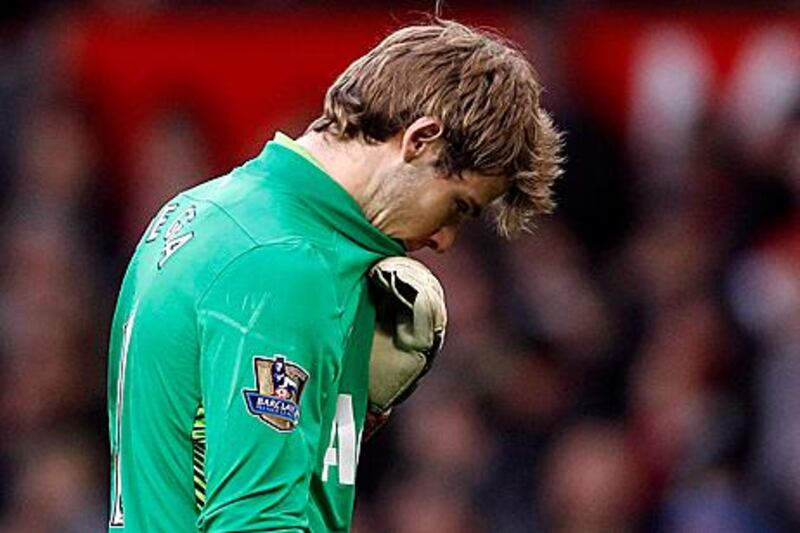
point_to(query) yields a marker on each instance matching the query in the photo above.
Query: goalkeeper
(266, 313)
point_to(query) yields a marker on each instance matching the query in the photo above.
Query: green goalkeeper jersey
(239, 355)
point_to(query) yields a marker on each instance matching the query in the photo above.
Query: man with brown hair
(439, 103)
(267, 313)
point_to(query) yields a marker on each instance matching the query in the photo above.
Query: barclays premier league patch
(276, 398)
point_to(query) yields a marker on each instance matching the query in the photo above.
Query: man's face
(415, 200)
(426, 206)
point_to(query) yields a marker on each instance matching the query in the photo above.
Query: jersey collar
(286, 141)
(290, 164)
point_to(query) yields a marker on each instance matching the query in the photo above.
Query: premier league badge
(279, 385)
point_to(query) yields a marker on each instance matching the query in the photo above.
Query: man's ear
(421, 135)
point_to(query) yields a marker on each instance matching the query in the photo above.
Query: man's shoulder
(263, 210)
(203, 232)
(289, 276)
(283, 260)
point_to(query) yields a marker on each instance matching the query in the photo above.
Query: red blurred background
(631, 366)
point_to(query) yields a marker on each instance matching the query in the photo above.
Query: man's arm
(270, 347)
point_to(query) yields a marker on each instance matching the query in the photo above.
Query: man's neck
(352, 164)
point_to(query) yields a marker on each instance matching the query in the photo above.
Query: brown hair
(479, 86)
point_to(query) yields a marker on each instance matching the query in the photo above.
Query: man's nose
(443, 240)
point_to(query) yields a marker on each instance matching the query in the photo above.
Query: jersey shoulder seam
(258, 246)
(227, 215)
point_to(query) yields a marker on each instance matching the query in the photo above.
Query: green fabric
(260, 268)
(287, 142)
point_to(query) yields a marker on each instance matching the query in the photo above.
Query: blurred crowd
(632, 366)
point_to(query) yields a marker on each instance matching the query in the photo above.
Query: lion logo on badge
(279, 385)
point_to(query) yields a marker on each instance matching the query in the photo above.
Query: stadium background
(635, 366)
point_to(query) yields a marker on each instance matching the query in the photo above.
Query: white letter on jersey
(117, 519)
(159, 222)
(172, 246)
(174, 242)
(343, 433)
